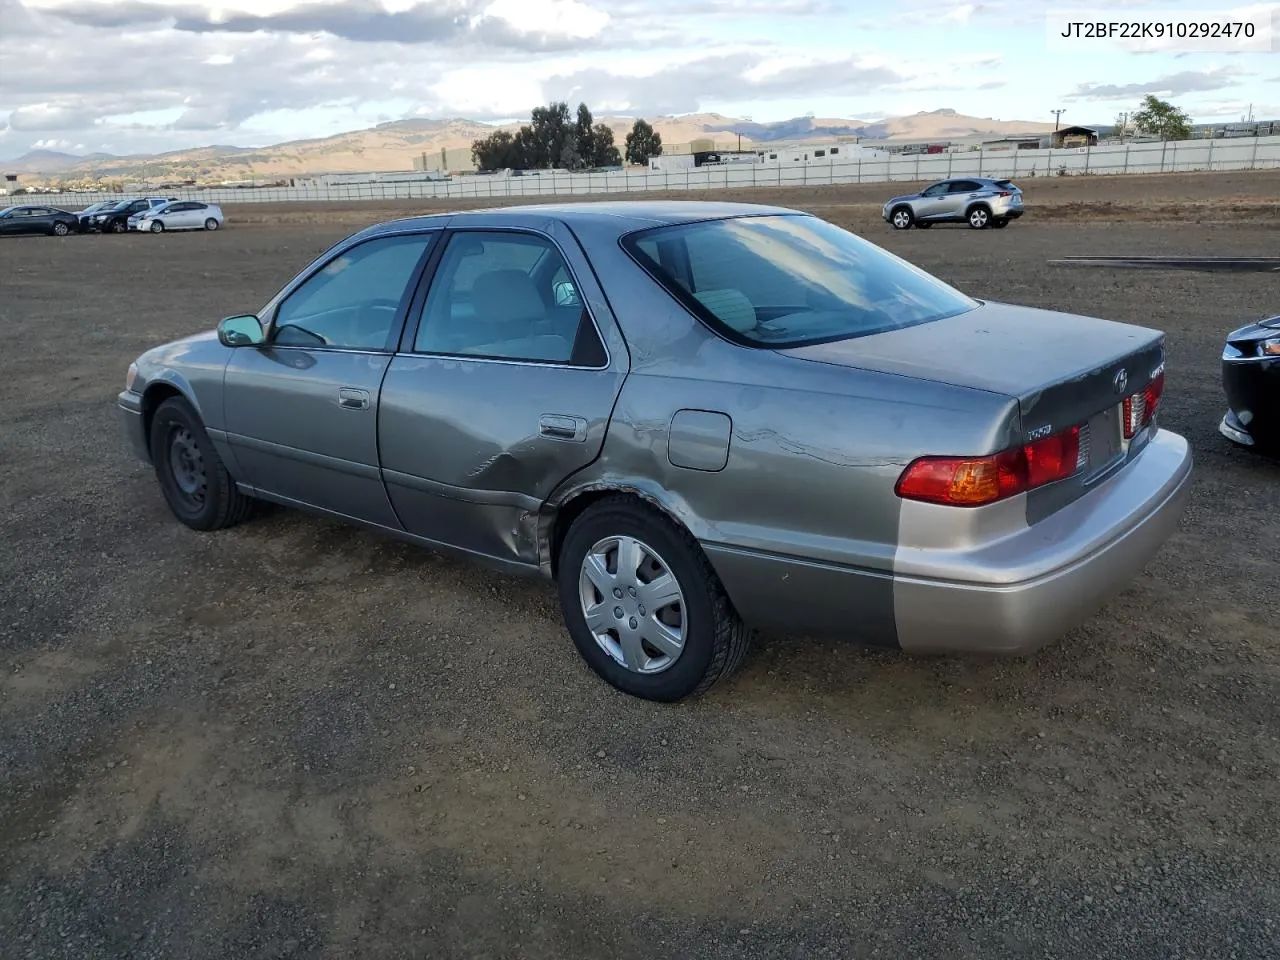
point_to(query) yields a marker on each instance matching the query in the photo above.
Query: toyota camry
(697, 419)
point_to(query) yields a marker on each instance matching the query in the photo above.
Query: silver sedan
(697, 419)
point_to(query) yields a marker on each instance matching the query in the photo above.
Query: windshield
(790, 280)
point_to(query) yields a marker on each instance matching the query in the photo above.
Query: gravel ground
(297, 739)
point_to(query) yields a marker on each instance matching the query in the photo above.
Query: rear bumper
(1013, 597)
(129, 405)
(1085, 555)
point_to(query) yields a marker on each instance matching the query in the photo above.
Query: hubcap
(978, 218)
(633, 605)
(900, 219)
(187, 465)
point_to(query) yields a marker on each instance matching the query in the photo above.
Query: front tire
(1000, 223)
(979, 217)
(119, 226)
(192, 477)
(644, 606)
(902, 218)
(157, 226)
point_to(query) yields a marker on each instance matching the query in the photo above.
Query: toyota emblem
(1122, 380)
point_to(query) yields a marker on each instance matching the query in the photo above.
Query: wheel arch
(558, 516)
(156, 393)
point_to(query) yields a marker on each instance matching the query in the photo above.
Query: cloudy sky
(132, 76)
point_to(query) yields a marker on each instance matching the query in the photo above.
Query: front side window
(352, 301)
(790, 280)
(506, 296)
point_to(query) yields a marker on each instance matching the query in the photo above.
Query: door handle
(351, 398)
(556, 426)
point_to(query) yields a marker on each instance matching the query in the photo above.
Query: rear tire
(211, 224)
(192, 477)
(701, 638)
(902, 218)
(60, 229)
(979, 217)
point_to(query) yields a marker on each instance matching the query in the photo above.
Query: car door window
(352, 301)
(964, 186)
(937, 190)
(505, 296)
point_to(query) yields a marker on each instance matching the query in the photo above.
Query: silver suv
(980, 202)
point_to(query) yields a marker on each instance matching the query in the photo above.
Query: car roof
(623, 216)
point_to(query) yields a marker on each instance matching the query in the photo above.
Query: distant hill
(50, 161)
(397, 144)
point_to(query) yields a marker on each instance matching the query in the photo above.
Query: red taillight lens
(976, 481)
(1140, 408)
(1053, 458)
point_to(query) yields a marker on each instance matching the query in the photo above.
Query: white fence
(1241, 153)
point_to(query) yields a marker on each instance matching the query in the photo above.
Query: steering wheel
(372, 321)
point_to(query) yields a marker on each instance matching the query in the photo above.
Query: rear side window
(789, 280)
(1006, 185)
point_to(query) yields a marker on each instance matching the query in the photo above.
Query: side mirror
(243, 331)
(565, 294)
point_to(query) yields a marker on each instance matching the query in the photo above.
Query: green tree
(1162, 119)
(642, 143)
(553, 137)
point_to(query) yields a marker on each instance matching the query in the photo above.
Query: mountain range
(396, 145)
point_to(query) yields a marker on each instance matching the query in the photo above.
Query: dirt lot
(294, 739)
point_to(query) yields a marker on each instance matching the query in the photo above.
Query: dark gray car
(696, 418)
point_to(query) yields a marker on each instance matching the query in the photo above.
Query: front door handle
(557, 426)
(352, 398)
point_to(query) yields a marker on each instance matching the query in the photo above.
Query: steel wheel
(186, 464)
(979, 218)
(633, 604)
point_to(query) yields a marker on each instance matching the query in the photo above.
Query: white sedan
(179, 215)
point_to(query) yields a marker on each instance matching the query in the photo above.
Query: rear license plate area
(1103, 444)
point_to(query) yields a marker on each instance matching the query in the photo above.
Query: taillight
(977, 481)
(1140, 408)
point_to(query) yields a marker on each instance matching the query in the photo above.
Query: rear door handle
(352, 398)
(557, 426)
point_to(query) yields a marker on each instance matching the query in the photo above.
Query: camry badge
(1121, 381)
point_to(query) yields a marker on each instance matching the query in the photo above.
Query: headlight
(1270, 347)
(130, 376)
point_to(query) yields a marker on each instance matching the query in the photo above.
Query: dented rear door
(472, 445)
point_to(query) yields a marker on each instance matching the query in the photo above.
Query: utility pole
(1057, 114)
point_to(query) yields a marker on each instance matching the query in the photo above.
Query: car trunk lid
(1065, 370)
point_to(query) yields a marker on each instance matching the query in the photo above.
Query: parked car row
(980, 202)
(145, 215)
(152, 215)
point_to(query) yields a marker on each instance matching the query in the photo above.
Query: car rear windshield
(789, 280)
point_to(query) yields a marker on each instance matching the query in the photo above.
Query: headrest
(506, 296)
(730, 306)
